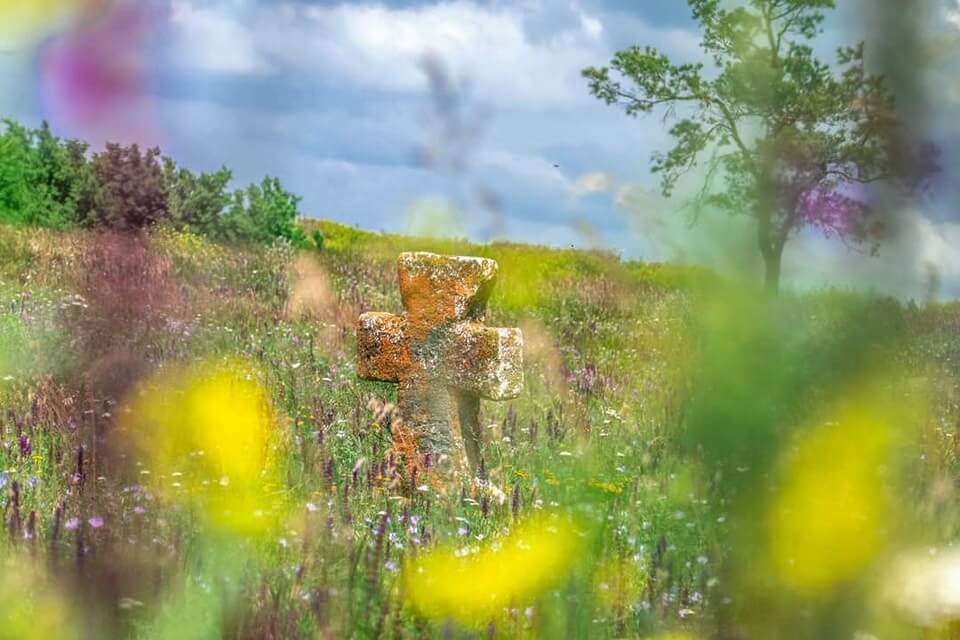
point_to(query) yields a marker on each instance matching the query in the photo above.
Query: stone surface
(440, 353)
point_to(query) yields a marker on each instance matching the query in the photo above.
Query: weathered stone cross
(440, 353)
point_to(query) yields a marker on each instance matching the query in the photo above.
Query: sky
(455, 117)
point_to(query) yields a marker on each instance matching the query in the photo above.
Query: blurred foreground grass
(687, 459)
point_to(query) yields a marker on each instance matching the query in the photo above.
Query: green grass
(637, 390)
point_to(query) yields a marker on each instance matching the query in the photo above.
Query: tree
(15, 197)
(264, 212)
(131, 193)
(197, 202)
(66, 175)
(44, 180)
(793, 141)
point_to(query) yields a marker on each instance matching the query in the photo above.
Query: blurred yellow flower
(29, 609)
(826, 522)
(473, 588)
(613, 488)
(207, 428)
(31, 20)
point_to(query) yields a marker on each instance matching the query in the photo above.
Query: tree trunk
(771, 263)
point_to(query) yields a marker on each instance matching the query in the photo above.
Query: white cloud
(591, 26)
(374, 46)
(952, 15)
(214, 39)
(380, 47)
(923, 255)
(593, 182)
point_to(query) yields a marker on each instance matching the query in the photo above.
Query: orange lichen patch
(442, 289)
(439, 352)
(382, 350)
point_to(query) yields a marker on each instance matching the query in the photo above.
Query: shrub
(44, 181)
(197, 203)
(132, 194)
(49, 182)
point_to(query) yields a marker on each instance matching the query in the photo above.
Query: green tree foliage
(44, 180)
(15, 205)
(790, 141)
(197, 203)
(262, 212)
(51, 182)
(132, 194)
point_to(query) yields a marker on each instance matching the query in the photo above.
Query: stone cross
(440, 353)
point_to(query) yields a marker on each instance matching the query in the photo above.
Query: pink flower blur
(91, 76)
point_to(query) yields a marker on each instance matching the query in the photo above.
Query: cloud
(593, 182)
(380, 47)
(514, 54)
(214, 39)
(922, 259)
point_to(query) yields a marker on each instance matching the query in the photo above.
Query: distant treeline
(57, 183)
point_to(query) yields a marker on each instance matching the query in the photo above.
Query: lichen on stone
(439, 351)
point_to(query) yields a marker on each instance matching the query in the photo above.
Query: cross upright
(440, 353)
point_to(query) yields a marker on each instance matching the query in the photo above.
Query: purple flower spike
(26, 447)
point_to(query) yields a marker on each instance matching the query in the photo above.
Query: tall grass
(605, 440)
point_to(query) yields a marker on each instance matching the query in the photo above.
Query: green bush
(46, 181)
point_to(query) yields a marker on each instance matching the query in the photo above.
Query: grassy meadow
(186, 452)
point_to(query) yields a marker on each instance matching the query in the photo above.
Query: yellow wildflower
(613, 488)
(827, 520)
(207, 426)
(473, 588)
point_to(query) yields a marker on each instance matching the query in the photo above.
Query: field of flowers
(186, 452)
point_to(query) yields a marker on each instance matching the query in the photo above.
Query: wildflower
(96, 522)
(26, 447)
(826, 523)
(71, 524)
(612, 488)
(222, 412)
(4, 479)
(129, 603)
(471, 585)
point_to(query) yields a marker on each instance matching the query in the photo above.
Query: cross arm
(487, 361)
(382, 352)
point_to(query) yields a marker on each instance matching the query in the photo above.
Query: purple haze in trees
(833, 212)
